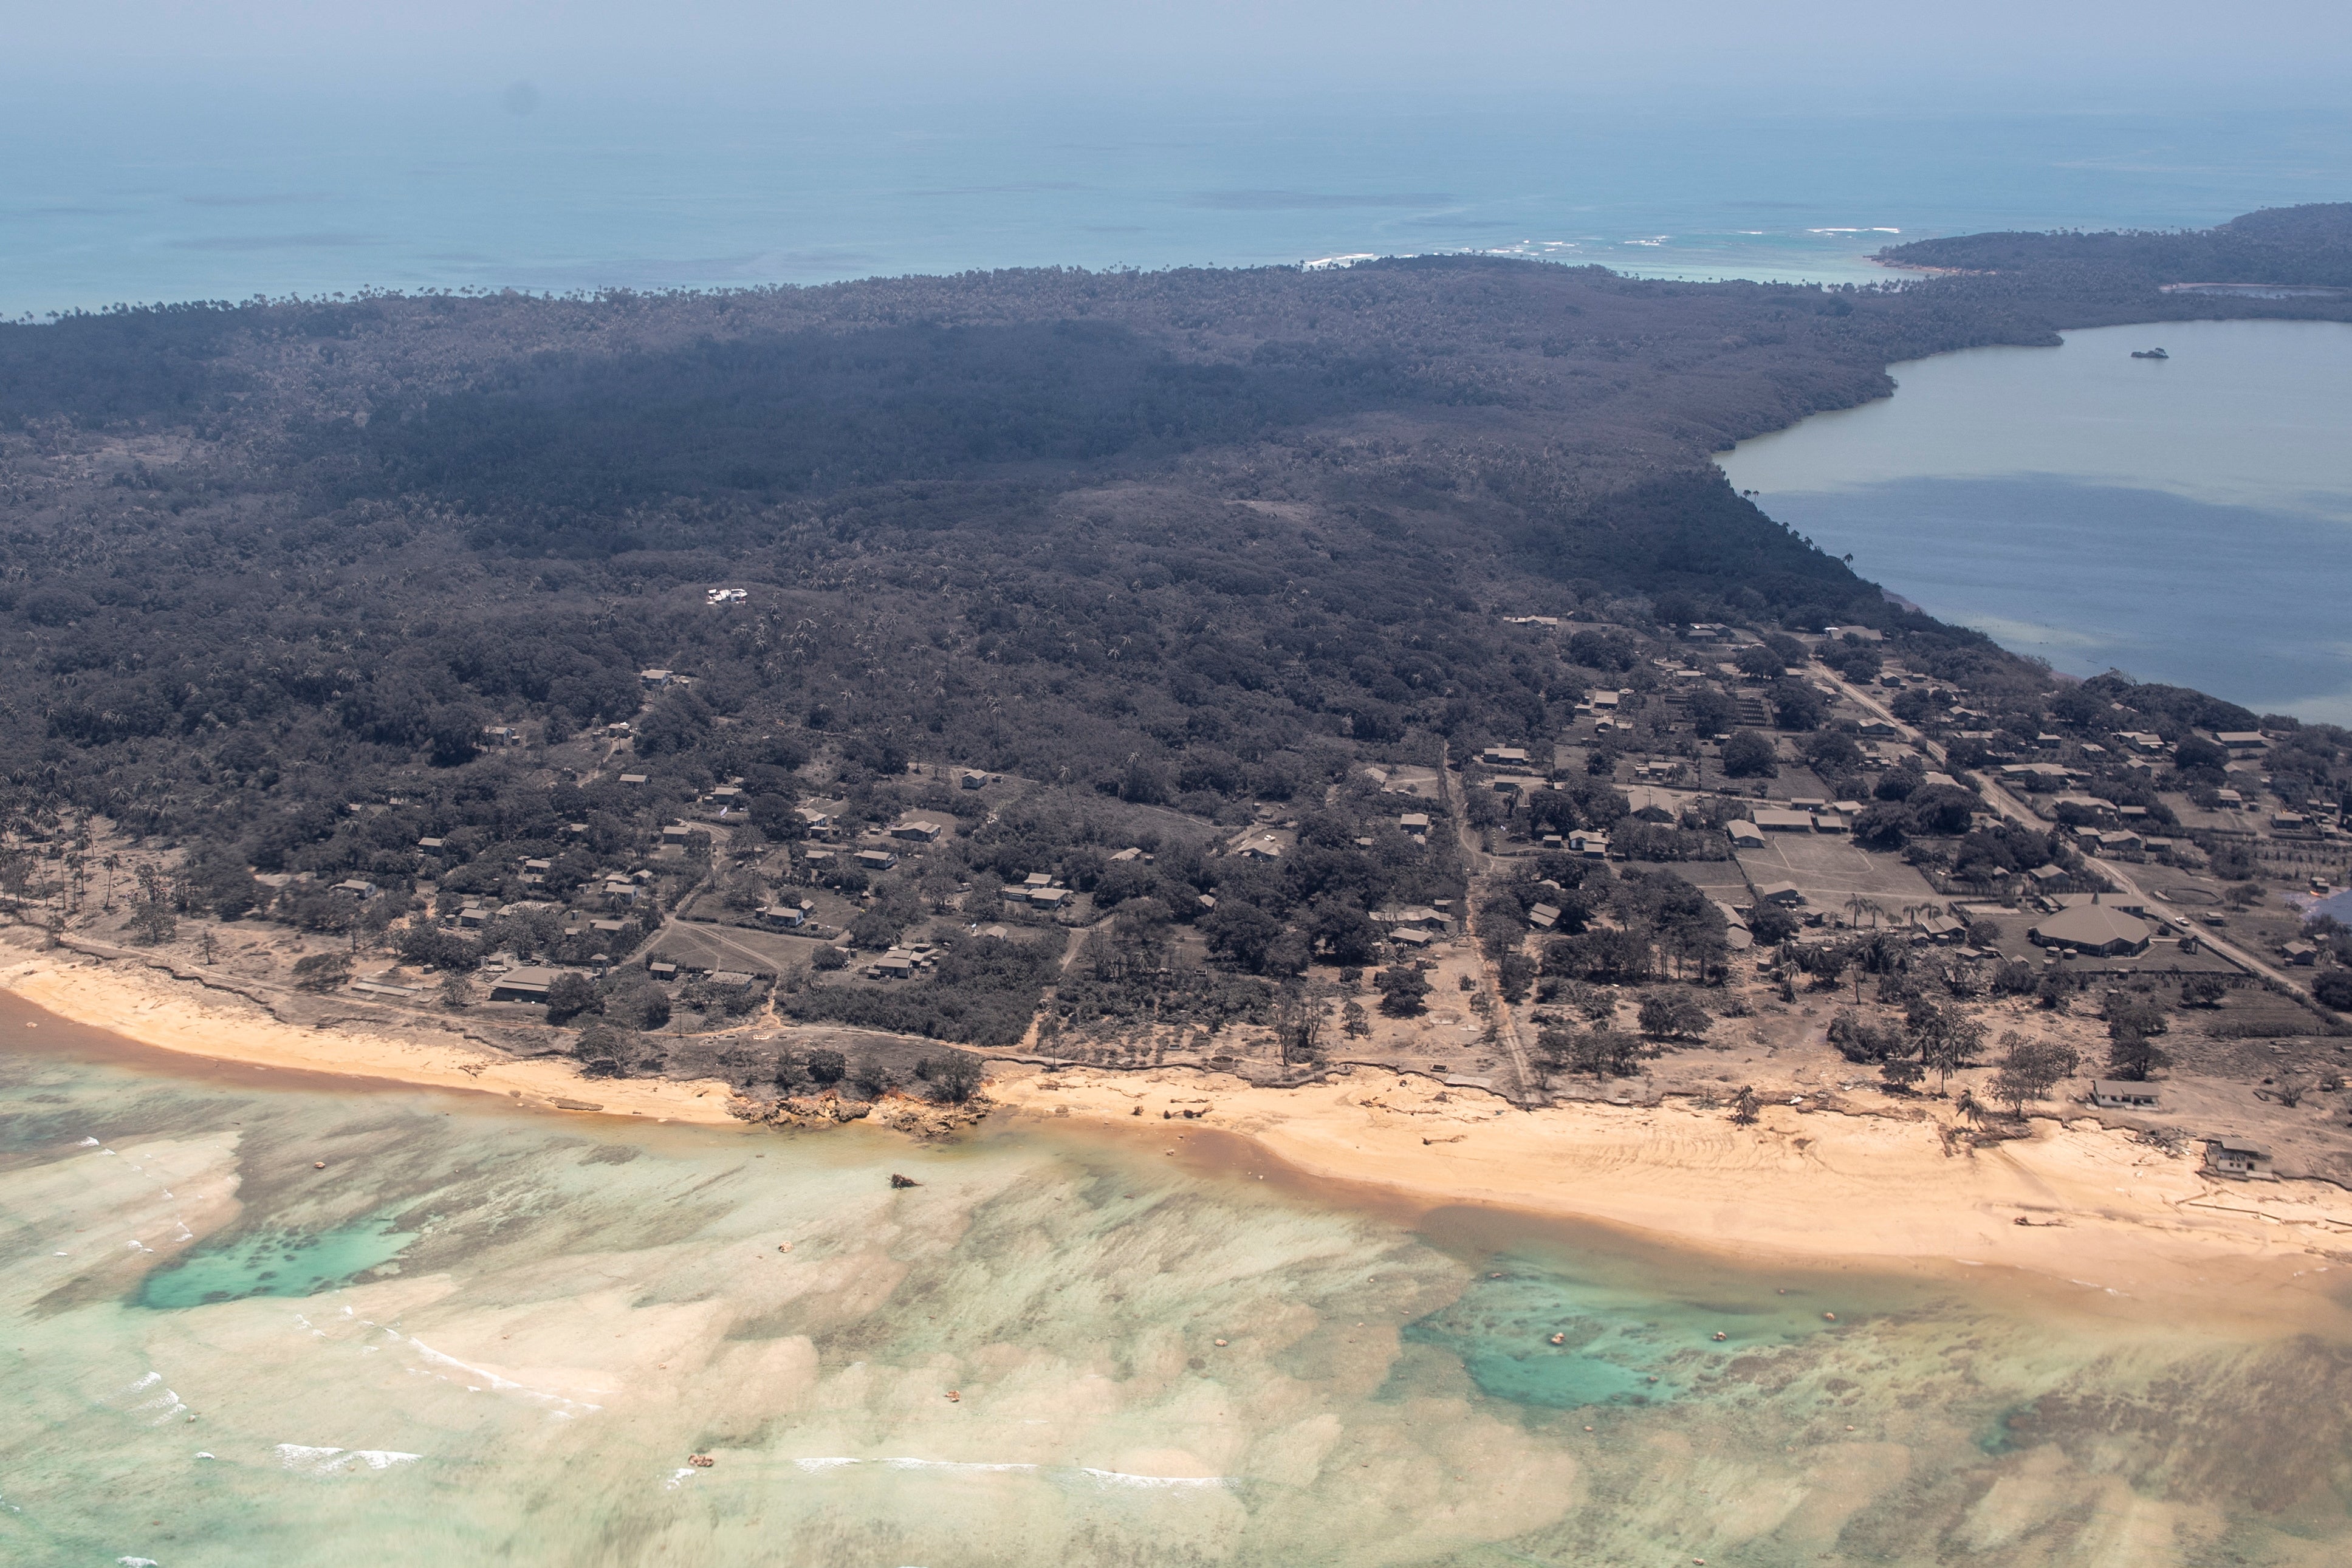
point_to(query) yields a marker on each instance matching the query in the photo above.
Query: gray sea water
(2186, 520)
(483, 1335)
(144, 194)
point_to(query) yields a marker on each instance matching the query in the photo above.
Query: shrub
(826, 1067)
(1748, 755)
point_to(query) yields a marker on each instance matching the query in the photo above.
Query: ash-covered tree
(1403, 989)
(1748, 755)
(2030, 1068)
(569, 995)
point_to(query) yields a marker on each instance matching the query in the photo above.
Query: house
(524, 985)
(633, 779)
(1037, 879)
(1265, 847)
(620, 891)
(1650, 805)
(2098, 929)
(2123, 841)
(1784, 894)
(2301, 954)
(875, 860)
(1773, 820)
(971, 779)
(2237, 1157)
(1049, 898)
(892, 967)
(787, 915)
(432, 846)
(817, 858)
(1415, 823)
(661, 968)
(1543, 916)
(1877, 729)
(2116, 1094)
(2047, 875)
(1745, 835)
(1409, 935)
(654, 680)
(608, 928)
(496, 735)
(1602, 702)
(361, 891)
(1134, 853)
(917, 832)
(1503, 756)
(675, 833)
(1593, 846)
(473, 917)
(727, 794)
(814, 821)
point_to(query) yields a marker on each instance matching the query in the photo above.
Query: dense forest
(291, 586)
(2309, 246)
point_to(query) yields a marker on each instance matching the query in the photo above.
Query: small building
(608, 928)
(2098, 929)
(727, 794)
(676, 833)
(1745, 835)
(892, 967)
(633, 779)
(2241, 741)
(654, 680)
(473, 917)
(919, 833)
(1593, 846)
(1414, 824)
(875, 860)
(1543, 916)
(1049, 897)
(359, 891)
(2119, 1094)
(1649, 805)
(1133, 852)
(524, 985)
(970, 779)
(1503, 756)
(661, 969)
(2300, 953)
(2237, 1157)
(789, 916)
(1263, 848)
(432, 846)
(1784, 894)
(498, 735)
(1409, 936)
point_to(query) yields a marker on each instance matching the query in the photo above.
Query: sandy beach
(188, 1019)
(2100, 1208)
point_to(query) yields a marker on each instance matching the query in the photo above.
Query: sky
(2090, 53)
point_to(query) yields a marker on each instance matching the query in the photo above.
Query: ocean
(2183, 520)
(155, 194)
(247, 1317)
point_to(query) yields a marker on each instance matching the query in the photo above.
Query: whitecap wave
(307, 1460)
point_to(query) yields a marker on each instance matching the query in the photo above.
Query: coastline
(189, 1021)
(2102, 1209)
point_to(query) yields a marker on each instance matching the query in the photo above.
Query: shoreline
(2102, 1210)
(185, 1019)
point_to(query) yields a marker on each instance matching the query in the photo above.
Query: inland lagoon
(2183, 519)
(251, 1317)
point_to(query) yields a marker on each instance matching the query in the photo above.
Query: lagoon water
(2187, 520)
(485, 1335)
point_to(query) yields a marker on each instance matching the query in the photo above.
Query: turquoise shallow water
(480, 1335)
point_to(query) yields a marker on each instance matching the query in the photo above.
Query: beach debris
(1137, 1111)
(784, 1246)
(1588, 1428)
(955, 1395)
(1720, 1336)
(1220, 1343)
(898, 1181)
(317, 1164)
(1559, 1339)
(700, 1461)
(1829, 1317)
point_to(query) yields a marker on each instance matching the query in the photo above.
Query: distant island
(843, 694)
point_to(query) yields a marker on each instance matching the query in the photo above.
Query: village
(1736, 876)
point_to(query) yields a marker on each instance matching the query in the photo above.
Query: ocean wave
(981, 1467)
(307, 1460)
